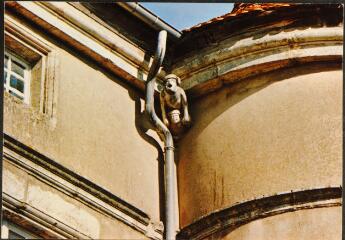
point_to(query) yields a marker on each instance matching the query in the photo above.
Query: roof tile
(239, 9)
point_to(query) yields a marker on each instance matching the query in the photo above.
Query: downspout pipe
(148, 17)
(169, 228)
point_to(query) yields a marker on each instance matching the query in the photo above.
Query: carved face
(171, 85)
(175, 116)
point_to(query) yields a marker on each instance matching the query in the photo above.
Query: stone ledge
(70, 26)
(77, 187)
(238, 58)
(242, 213)
(243, 47)
(36, 221)
(269, 21)
(238, 75)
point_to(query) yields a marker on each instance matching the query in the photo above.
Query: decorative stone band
(75, 186)
(36, 221)
(235, 48)
(240, 214)
(94, 40)
(238, 58)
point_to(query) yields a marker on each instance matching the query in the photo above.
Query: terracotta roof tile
(241, 8)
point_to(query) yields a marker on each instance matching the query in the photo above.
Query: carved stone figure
(173, 101)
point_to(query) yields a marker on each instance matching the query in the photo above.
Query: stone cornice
(235, 47)
(78, 187)
(206, 58)
(36, 221)
(271, 20)
(246, 56)
(242, 213)
(81, 32)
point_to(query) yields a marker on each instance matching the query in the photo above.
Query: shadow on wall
(229, 96)
(141, 123)
(142, 126)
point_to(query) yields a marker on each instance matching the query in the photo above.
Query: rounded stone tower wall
(263, 159)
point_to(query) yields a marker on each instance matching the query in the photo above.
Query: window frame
(26, 78)
(43, 86)
(8, 226)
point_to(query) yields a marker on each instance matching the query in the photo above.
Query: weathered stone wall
(267, 120)
(26, 188)
(266, 135)
(95, 131)
(318, 224)
(275, 133)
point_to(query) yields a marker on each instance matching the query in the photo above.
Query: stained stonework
(266, 107)
(286, 117)
(262, 159)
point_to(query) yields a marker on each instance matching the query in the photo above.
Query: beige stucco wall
(274, 133)
(94, 131)
(318, 224)
(26, 188)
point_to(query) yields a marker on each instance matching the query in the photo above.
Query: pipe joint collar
(166, 148)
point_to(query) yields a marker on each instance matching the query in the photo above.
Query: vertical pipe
(169, 228)
(170, 197)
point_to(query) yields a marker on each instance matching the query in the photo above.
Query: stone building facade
(262, 159)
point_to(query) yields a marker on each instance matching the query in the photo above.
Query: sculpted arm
(186, 117)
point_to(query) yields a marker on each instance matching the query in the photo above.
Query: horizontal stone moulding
(66, 181)
(239, 214)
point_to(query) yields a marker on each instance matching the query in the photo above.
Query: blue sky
(186, 15)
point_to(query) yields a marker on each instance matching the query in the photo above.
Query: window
(31, 68)
(10, 230)
(16, 77)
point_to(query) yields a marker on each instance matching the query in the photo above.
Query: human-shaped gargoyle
(174, 101)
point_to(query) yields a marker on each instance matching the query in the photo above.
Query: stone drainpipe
(169, 228)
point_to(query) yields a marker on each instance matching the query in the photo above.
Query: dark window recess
(14, 235)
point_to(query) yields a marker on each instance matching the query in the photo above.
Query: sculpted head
(171, 83)
(174, 105)
(174, 116)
